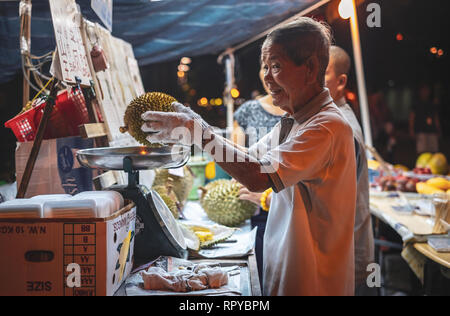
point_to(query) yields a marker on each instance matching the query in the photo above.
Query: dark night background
(393, 68)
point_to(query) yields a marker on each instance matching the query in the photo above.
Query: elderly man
(336, 80)
(308, 160)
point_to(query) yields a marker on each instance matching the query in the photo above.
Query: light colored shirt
(308, 243)
(364, 243)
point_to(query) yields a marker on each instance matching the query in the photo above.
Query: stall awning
(159, 31)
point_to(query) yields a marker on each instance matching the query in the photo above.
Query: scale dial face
(168, 222)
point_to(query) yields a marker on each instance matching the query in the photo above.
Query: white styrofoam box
(46, 197)
(114, 198)
(70, 208)
(21, 208)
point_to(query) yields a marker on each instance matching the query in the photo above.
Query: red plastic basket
(69, 112)
(25, 125)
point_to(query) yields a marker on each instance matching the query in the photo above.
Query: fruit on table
(439, 183)
(150, 101)
(220, 200)
(373, 164)
(424, 188)
(209, 236)
(182, 185)
(437, 163)
(401, 167)
(422, 170)
(397, 183)
(170, 199)
(423, 159)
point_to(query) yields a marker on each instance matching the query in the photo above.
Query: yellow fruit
(423, 160)
(210, 170)
(424, 188)
(196, 229)
(204, 236)
(402, 167)
(439, 183)
(373, 164)
(438, 164)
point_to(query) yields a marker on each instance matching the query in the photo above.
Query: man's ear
(312, 64)
(342, 82)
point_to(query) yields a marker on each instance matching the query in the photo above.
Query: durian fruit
(208, 235)
(169, 197)
(182, 186)
(150, 101)
(220, 201)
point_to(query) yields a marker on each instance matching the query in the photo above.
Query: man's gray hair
(303, 38)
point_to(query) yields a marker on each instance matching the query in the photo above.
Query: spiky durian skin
(181, 185)
(222, 205)
(150, 101)
(169, 199)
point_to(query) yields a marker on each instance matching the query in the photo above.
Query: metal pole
(362, 92)
(229, 68)
(25, 30)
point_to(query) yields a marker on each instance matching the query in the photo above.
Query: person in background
(336, 80)
(253, 120)
(383, 129)
(424, 124)
(307, 160)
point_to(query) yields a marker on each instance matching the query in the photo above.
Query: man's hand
(246, 194)
(182, 126)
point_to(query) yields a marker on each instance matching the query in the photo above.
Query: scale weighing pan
(143, 158)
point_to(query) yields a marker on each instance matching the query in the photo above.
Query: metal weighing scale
(157, 233)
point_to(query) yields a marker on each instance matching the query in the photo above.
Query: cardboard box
(66, 257)
(57, 170)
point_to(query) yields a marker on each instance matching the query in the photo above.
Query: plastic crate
(68, 113)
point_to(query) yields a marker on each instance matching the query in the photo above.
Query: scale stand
(157, 233)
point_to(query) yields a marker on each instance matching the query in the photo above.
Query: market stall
(96, 242)
(415, 204)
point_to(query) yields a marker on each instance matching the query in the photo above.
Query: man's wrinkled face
(285, 80)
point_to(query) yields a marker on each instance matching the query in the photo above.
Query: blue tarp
(159, 30)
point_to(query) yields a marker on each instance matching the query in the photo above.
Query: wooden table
(250, 284)
(251, 287)
(414, 231)
(440, 258)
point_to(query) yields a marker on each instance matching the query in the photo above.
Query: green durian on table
(220, 201)
(166, 193)
(181, 185)
(150, 101)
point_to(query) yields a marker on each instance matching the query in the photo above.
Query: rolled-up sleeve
(303, 157)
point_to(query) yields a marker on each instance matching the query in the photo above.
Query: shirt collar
(342, 101)
(312, 107)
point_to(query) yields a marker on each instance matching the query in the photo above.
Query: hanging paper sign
(104, 10)
(71, 52)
